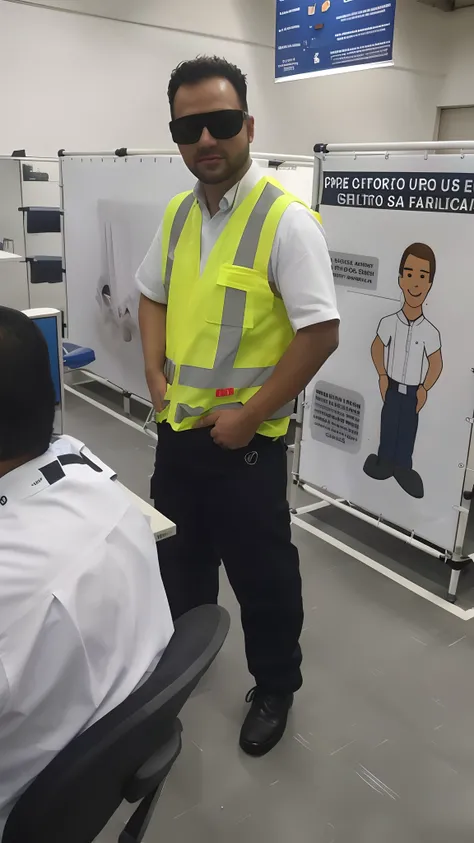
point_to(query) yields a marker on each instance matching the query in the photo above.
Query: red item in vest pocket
(224, 393)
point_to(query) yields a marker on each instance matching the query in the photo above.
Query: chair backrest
(77, 793)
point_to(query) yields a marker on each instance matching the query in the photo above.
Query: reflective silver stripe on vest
(248, 246)
(169, 370)
(184, 411)
(176, 231)
(285, 411)
(224, 378)
(223, 374)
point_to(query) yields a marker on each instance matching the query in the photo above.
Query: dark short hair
(27, 395)
(424, 253)
(207, 67)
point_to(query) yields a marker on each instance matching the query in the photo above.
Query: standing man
(237, 314)
(407, 356)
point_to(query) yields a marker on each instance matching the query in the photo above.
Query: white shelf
(9, 256)
(161, 526)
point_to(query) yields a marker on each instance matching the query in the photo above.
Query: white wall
(82, 82)
(88, 83)
(238, 20)
(458, 87)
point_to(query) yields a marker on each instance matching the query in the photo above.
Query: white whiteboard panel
(360, 235)
(298, 180)
(113, 207)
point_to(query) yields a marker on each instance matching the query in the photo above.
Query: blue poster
(332, 36)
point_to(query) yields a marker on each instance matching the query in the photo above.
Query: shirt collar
(236, 195)
(406, 321)
(25, 481)
(28, 479)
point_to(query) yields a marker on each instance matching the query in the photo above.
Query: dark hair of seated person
(27, 395)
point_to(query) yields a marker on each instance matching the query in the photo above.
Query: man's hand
(157, 384)
(421, 398)
(383, 386)
(230, 428)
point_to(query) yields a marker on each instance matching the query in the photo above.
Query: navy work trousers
(399, 426)
(231, 507)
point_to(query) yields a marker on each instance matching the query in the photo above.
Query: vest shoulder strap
(294, 198)
(174, 221)
(278, 204)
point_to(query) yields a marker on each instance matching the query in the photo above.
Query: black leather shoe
(265, 723)
(410, 481)
(377, 469)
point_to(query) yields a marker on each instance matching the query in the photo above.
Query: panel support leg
(453, 585)
(295, 470)
(457, 563)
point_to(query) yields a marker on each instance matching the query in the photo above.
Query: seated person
(83, 612)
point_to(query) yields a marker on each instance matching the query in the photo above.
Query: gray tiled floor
(380, 747)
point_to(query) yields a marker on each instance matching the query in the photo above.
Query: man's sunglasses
(222, 125)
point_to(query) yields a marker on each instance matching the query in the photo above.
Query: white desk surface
(9, 256)
(162, 527)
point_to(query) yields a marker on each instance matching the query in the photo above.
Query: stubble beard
(231, 170)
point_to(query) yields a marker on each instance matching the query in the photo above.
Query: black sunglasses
(222, 125)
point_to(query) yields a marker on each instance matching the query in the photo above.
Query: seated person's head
(27, 398)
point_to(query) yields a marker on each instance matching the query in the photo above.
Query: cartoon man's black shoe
(378, 469)
(410, 481)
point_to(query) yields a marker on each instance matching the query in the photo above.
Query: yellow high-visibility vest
(226, 329)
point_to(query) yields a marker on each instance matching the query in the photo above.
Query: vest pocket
(242, 297)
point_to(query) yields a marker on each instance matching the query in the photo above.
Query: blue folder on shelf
(45, 269)
(42, 220)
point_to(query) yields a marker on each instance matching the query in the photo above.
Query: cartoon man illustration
(407, 356)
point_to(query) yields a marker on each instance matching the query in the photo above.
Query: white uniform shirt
(408, 344)
(300, 265)
(83, 612)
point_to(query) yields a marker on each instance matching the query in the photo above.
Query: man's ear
(251, 128)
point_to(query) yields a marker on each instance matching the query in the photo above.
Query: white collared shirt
(408, 344)
(83, 612)
(300, 264)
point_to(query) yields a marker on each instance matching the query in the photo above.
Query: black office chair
(125, 755)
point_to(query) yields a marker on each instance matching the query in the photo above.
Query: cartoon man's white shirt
(408, 345)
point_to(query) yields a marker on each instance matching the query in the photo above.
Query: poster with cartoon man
(407, 356)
